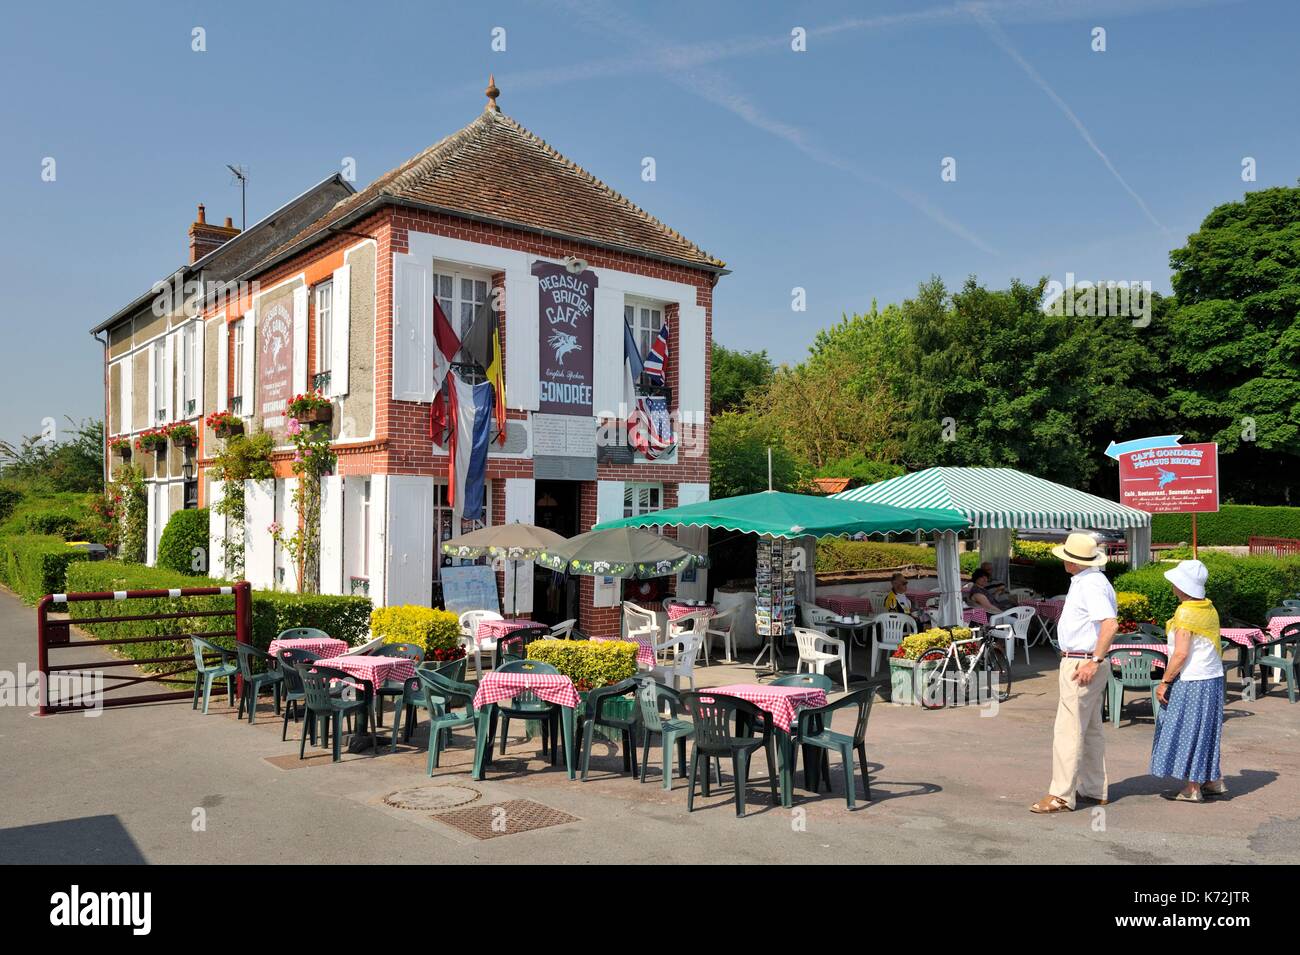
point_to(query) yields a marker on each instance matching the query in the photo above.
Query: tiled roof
(496, 168)
(828, 485)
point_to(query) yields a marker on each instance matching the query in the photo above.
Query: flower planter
(229, 429)
(903, 688)
(123, 452)
(320, 415)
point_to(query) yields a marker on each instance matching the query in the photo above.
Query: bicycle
(957, 666)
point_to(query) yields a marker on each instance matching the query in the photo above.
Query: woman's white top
(1203, 660)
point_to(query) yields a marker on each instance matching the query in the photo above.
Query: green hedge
(1242, 587)
(839, 554)
(346, 618)
(34, 565)
(588, 664)
(65, 515)
(1232, 526)
(186, 531)
(437, 631)
(1038, 568)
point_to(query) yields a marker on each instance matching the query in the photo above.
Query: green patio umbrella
(781, 514)
(628, 552)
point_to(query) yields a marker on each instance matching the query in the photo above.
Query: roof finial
(492, 94)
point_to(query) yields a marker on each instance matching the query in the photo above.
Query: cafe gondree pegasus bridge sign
(274, 365)
(566, 312)
(1173, 478)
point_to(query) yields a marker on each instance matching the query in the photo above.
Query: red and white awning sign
(1182, 478)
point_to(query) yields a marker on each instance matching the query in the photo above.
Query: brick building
(343, 302)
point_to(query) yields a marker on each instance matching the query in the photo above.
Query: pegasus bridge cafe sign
(1178, 479)
(274, 365)
(566, 313)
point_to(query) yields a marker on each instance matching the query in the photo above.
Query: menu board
(774, 587)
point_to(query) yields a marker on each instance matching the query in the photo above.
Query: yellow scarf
(1200, 619)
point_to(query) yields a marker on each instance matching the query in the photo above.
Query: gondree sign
(566, 323)
(1179, 479)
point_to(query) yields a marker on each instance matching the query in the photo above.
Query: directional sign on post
(1180, 479)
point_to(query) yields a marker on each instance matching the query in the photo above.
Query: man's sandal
(1050, 804)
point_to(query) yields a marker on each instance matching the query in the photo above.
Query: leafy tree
(861, 469)
(73, 462)
(738, 444)
(736, 376)
(1235, 339)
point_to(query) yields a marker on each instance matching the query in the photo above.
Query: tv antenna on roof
(241, 176)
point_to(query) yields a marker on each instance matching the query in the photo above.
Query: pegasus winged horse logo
(563, 343)
(1166, 477)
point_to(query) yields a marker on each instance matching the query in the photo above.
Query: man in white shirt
(1087, 626)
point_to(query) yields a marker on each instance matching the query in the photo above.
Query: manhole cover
(505, 818)
(432, 798)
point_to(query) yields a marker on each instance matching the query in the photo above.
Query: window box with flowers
(225, 424)
(154, 440)
(120, 446)
(181, 434)
(311, 408)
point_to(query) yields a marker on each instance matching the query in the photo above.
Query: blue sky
(818, 169)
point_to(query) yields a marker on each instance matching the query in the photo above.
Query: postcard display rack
(774, 587)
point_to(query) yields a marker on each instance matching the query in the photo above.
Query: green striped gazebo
(997, 501)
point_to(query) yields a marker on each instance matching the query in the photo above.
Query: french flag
(471, 413)
(657, 359)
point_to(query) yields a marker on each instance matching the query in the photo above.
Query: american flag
(650, 427)
(657, 357)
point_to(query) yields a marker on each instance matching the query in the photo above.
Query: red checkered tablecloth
(552, 687)
(676, 611)
(782, 702)
(845, 606)
(645, 648)
(1242, 636)
(496, 629)
(323, 647)
(377, 670)
(1276, 625)
(975, 615)
(1115, 647)
(1047, 609)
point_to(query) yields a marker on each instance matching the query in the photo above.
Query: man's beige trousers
(1079, 743)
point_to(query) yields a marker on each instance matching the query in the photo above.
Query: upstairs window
(237, 367)
(464, 298)
(645, 319)
(324, 335)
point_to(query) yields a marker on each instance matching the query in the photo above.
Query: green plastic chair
(712, 715)
(819, 681)
(1285, 656)
(394, 688)
(525, 705)
(323, 704)
(413, 694)
(1135, 672)
(815, 733)
(293, 693)
(439, 694)
(1152, 630)
(211, 672)
(651, 697)
(302, 633)
(514, 645)
(250, 659)
(594, 714)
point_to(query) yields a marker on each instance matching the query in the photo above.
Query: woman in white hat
(1190, 721)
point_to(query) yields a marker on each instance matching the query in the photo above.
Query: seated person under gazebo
(897, 601)
(982, 595)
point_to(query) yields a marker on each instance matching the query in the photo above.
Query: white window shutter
(410, 540)
(522, 338)
(250, 361)
(331, 534)
(199, 372)
(609, 507)
(412, 329)
(607, 358)
(690, 364)
(151, 525)
(153, 390)
(521, 502)
(128, 394)
(378, 570)
(300, 340)
(259, 550)
(216, 530)
(288, 518)
(223, 364)
(169, 381)
(340, 342)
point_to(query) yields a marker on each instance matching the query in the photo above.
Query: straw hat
(1189, 577)
(1081, 549)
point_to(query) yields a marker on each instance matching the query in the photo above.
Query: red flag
(446, 345)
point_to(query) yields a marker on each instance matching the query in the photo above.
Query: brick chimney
(204, 238)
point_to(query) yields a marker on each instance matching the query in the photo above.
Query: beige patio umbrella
(512, 542)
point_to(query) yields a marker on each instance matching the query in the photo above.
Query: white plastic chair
(1021, 593)
(1291, 604)
(640, 622)
(682, 651)
(694, 622)
(719, 625)
(1015, 622)
(817, 649)
(564, 629)
(370, 646)
(887, 632)
(469, 622)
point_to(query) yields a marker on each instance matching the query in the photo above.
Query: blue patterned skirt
(1188, 730)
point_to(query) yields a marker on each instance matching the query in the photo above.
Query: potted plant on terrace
(182, 434)
(155, 440)
(310, 408)
(903, 684)
(224, 424)
(120, 446)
